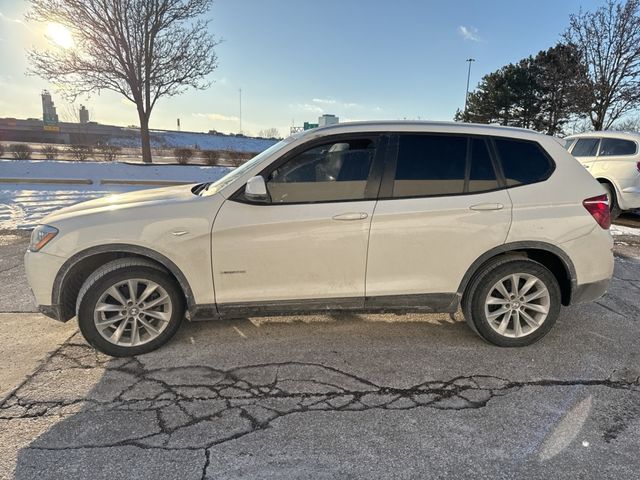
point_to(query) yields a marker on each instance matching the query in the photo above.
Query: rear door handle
(351, 216)
(487, 206)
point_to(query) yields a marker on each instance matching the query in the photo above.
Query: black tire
(473, 302)
(118, 271)
(614, 208)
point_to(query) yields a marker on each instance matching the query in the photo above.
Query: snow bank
(622, 230)
(203, 141)
(24, 202)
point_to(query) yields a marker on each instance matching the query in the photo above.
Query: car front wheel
(129, 307)
(513, 303)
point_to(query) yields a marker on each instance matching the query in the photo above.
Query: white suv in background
(613, 158)
(373, 216)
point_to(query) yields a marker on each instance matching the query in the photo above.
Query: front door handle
(487, 206)
(351, 216)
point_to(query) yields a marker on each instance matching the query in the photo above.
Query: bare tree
(609, 41)
(142, 49)
(631, 124)
(271, 132)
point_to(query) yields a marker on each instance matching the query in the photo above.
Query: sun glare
(60, 35)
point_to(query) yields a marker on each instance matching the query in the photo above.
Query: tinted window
(585, 147)
(522, 162)
(568, 143)
(482, 176)
(430, 165)
(616, 146)
(330, 172)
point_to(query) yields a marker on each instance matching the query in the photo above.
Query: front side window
(431, 165)
(522, 162)
(326, 173)
(615, 147)
(585, 147)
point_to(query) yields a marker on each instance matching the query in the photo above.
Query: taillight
(598, 207)
(638, 166)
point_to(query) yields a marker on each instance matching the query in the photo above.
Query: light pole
(240, 92)
(466, 96)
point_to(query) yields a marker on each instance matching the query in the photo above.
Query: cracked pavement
(355, 396)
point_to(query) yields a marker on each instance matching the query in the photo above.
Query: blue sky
(295, 60)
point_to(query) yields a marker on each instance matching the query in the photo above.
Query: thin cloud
(307, 107)
(470, 33)
(9, 19)
(217, 117)
(324, 101)
(334, 103)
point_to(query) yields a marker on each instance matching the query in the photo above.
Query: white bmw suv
(393, 216)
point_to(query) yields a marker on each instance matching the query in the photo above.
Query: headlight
(40, 236)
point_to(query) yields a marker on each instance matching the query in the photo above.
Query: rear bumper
(589, 292)
(630, 198)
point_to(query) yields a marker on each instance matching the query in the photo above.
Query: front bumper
(41, 269)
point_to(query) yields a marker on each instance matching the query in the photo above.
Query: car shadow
(159, 415)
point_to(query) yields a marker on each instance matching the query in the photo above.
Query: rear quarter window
(523, 162)
(611, 147)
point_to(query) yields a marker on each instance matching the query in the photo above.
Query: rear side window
(585, 147)
(615, 146)
(523, 162)
(430, 165)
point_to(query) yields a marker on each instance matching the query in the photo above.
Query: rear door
(617, 161)
(441, 206)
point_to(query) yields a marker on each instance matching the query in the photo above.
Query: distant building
(49, 114)
(84, 114)
(327, 119)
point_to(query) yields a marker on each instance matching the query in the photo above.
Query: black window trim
(382, 174)
(372, 187)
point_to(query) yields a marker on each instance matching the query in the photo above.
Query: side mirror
(256, 190)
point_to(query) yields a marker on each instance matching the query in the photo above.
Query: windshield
(238, 172)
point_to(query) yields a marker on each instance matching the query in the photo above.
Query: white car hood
(113, 203)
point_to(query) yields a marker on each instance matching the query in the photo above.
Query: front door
(307, 246)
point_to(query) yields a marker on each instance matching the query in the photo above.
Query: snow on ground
(203, 141)
(22, 205)
(623, 230)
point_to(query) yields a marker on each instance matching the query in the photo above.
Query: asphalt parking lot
(349, 396)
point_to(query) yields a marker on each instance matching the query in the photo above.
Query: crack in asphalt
(197, 407)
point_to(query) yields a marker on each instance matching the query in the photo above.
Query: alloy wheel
(517, 305)
(132, 312)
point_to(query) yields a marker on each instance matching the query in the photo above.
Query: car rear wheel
(129, 307)
(614, 208)
(513, 303)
